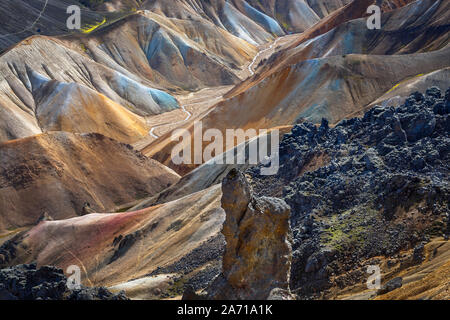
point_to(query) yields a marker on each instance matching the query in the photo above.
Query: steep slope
(364, 191)
(221, 13)
(57, 173)
(325, 7)
(27, 282)
(113, 5)
(258, 253)
(428, 280)
(138, 58)
(293, 16)
(253, 21)
(208, 174)
(77, 108)
(356, 9)
(115, 248)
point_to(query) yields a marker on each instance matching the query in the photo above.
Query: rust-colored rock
(257, 257)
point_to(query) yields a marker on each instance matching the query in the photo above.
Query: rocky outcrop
(27, 282)
(257, 257)
(87, 209)
(391, 285)
(369, 187)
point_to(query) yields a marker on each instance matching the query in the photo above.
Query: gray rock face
(257, 257)
(27, 282)
(368, 187)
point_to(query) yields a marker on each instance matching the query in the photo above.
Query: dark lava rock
(190, 294)
(368, 187)
(87, 209)
(391, 285)
(27, 282)
(44, 217)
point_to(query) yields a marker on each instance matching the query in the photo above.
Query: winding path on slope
(183, 107)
